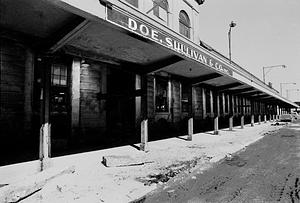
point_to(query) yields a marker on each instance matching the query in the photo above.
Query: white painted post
(216, 125)
(252, 120)
(265, 118)
(259, 119)
(144, 136)
(45, 146)
(242, 121)
(190, 129)
(75, 96)
(230, 123)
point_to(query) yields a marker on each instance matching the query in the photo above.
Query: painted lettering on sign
(148, 31)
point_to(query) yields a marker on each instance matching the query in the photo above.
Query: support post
(144, 109)
(252, 120)
(231, 107)
(75, 98)
(190, 129)
(45, 132)
(144, 136)
(242, 111)
(216, 108)
(45, 146)
(242, 121)
(259, 119)
(230, 122)
(265, 118)
(216, 125)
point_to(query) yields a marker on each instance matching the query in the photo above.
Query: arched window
(184, 24)
(161, 9)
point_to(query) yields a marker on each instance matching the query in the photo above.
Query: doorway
(59, 109)
(121, 107)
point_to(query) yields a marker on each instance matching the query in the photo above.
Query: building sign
(159, 36)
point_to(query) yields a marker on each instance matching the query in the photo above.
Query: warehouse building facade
(79, 76)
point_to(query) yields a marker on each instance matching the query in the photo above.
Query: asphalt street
(265, 171)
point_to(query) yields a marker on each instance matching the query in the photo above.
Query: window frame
(184, 24)
(60, 75)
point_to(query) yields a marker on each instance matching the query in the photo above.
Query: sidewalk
(168, 160)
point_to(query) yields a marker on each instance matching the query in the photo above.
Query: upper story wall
(167, 12)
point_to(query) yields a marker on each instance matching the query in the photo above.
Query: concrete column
(252, 120)
(230, 123)
(242, 121)
(144, 136)
(259, 119)
(274, 118)
(216, 125)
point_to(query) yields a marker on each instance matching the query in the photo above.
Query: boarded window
(184, 24)
(161, 95)
(160, 9)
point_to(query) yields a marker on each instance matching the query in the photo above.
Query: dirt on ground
(266, 171)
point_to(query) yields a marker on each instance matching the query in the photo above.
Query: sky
(267, 34)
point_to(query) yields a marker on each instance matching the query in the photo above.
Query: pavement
(266, 171)
(130, 174)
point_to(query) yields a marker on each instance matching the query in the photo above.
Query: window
(160, 9)
(184, 24)
(185, 94)
(161, 95)
(58, 75)
(135, 3)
